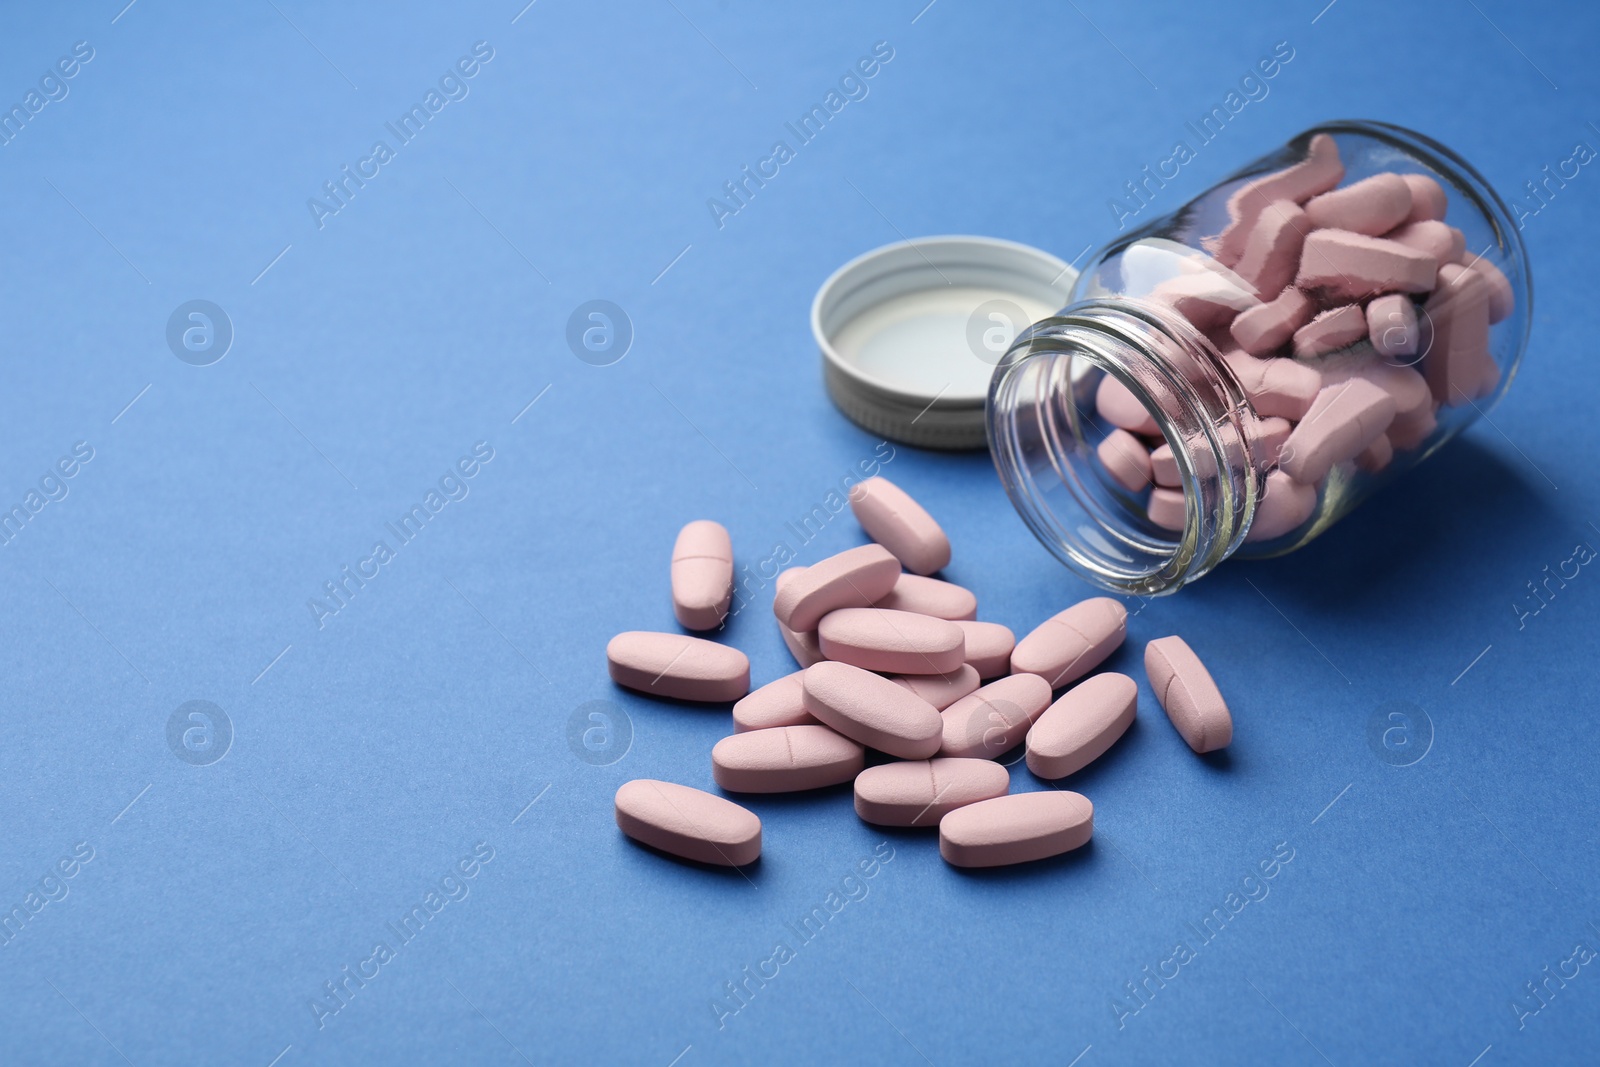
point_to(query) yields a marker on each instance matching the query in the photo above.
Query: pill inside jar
(1235, 377)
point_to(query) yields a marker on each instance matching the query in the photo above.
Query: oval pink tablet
(995, 719)
(1411, 429)
(1330, 331)
(1125, 459)
(901, 525)
(1376, 456)
(930, 596)
(1069, 645)
(1272, 250)
(805, 648)
(702, 575)
(778, 703)
(1278, 388)
(1016, 828)
(677, 666)
(1267, 438)
(1370, 206)
(940, 690)
(854, 578)
(1392, 325)
(1078, 729)
(802, 646)
(1428, 200)
(785, 759)
(1318, 172)
(1455, 336)
(1164, 467)
(871, 709)
(921, 792)
(1344, 420)
(1283, 506)
(1343, 265)
(1118, 406)
(1187, 694)
(1267, 327)
(989, 647)
(1166, 508)
(687, 822)
(1208, 299)
(1501, 297)
(1441, 242)
(896, 642)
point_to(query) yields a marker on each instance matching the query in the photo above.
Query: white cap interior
(910, 332)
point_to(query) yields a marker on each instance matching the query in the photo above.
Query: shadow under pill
(1076, 861)
(719, 870)
(805, 798)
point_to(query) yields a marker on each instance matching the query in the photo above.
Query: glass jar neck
(1044, 435)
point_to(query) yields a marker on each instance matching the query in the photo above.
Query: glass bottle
(1291, 350)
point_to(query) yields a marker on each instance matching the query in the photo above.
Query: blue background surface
(372, 753)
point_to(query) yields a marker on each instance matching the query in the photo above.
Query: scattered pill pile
(1349, 316)
(894, 660)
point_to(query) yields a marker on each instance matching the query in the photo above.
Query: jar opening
(1072, 474)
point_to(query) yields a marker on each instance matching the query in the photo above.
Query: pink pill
(1276, 387)
(1078, 729)
(1124, 458)
(1268, 439)
(1284, 505)
(1074, 642)
(854, 578)
(1345, 419)
(995, 719)
(1392, 325)
(901, 525)
(1206, 298)
(1164, 467)
(804, 647)
(1428, 200)
(1376, 456)
(1170, 476)
(930, 596)
(779, 703)
(1444, 243)
(989, 647)
(702, 575)
(689, 823)
(785, 759)
(1320, 171)
(1016, 828)
(1118, 406)
(1408, 388)
(872, 710)
(1490, 380)
(1330, 331)
(1410, 430)
(678, 666)
(1267, 327)
(940, 690)
(1272, 251)
(1455, 333)
(897, 642)
(1501, 297)
(921, 792)
(1187, 694)
(1351, 266)
(1166, 508)
(1371, 206)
